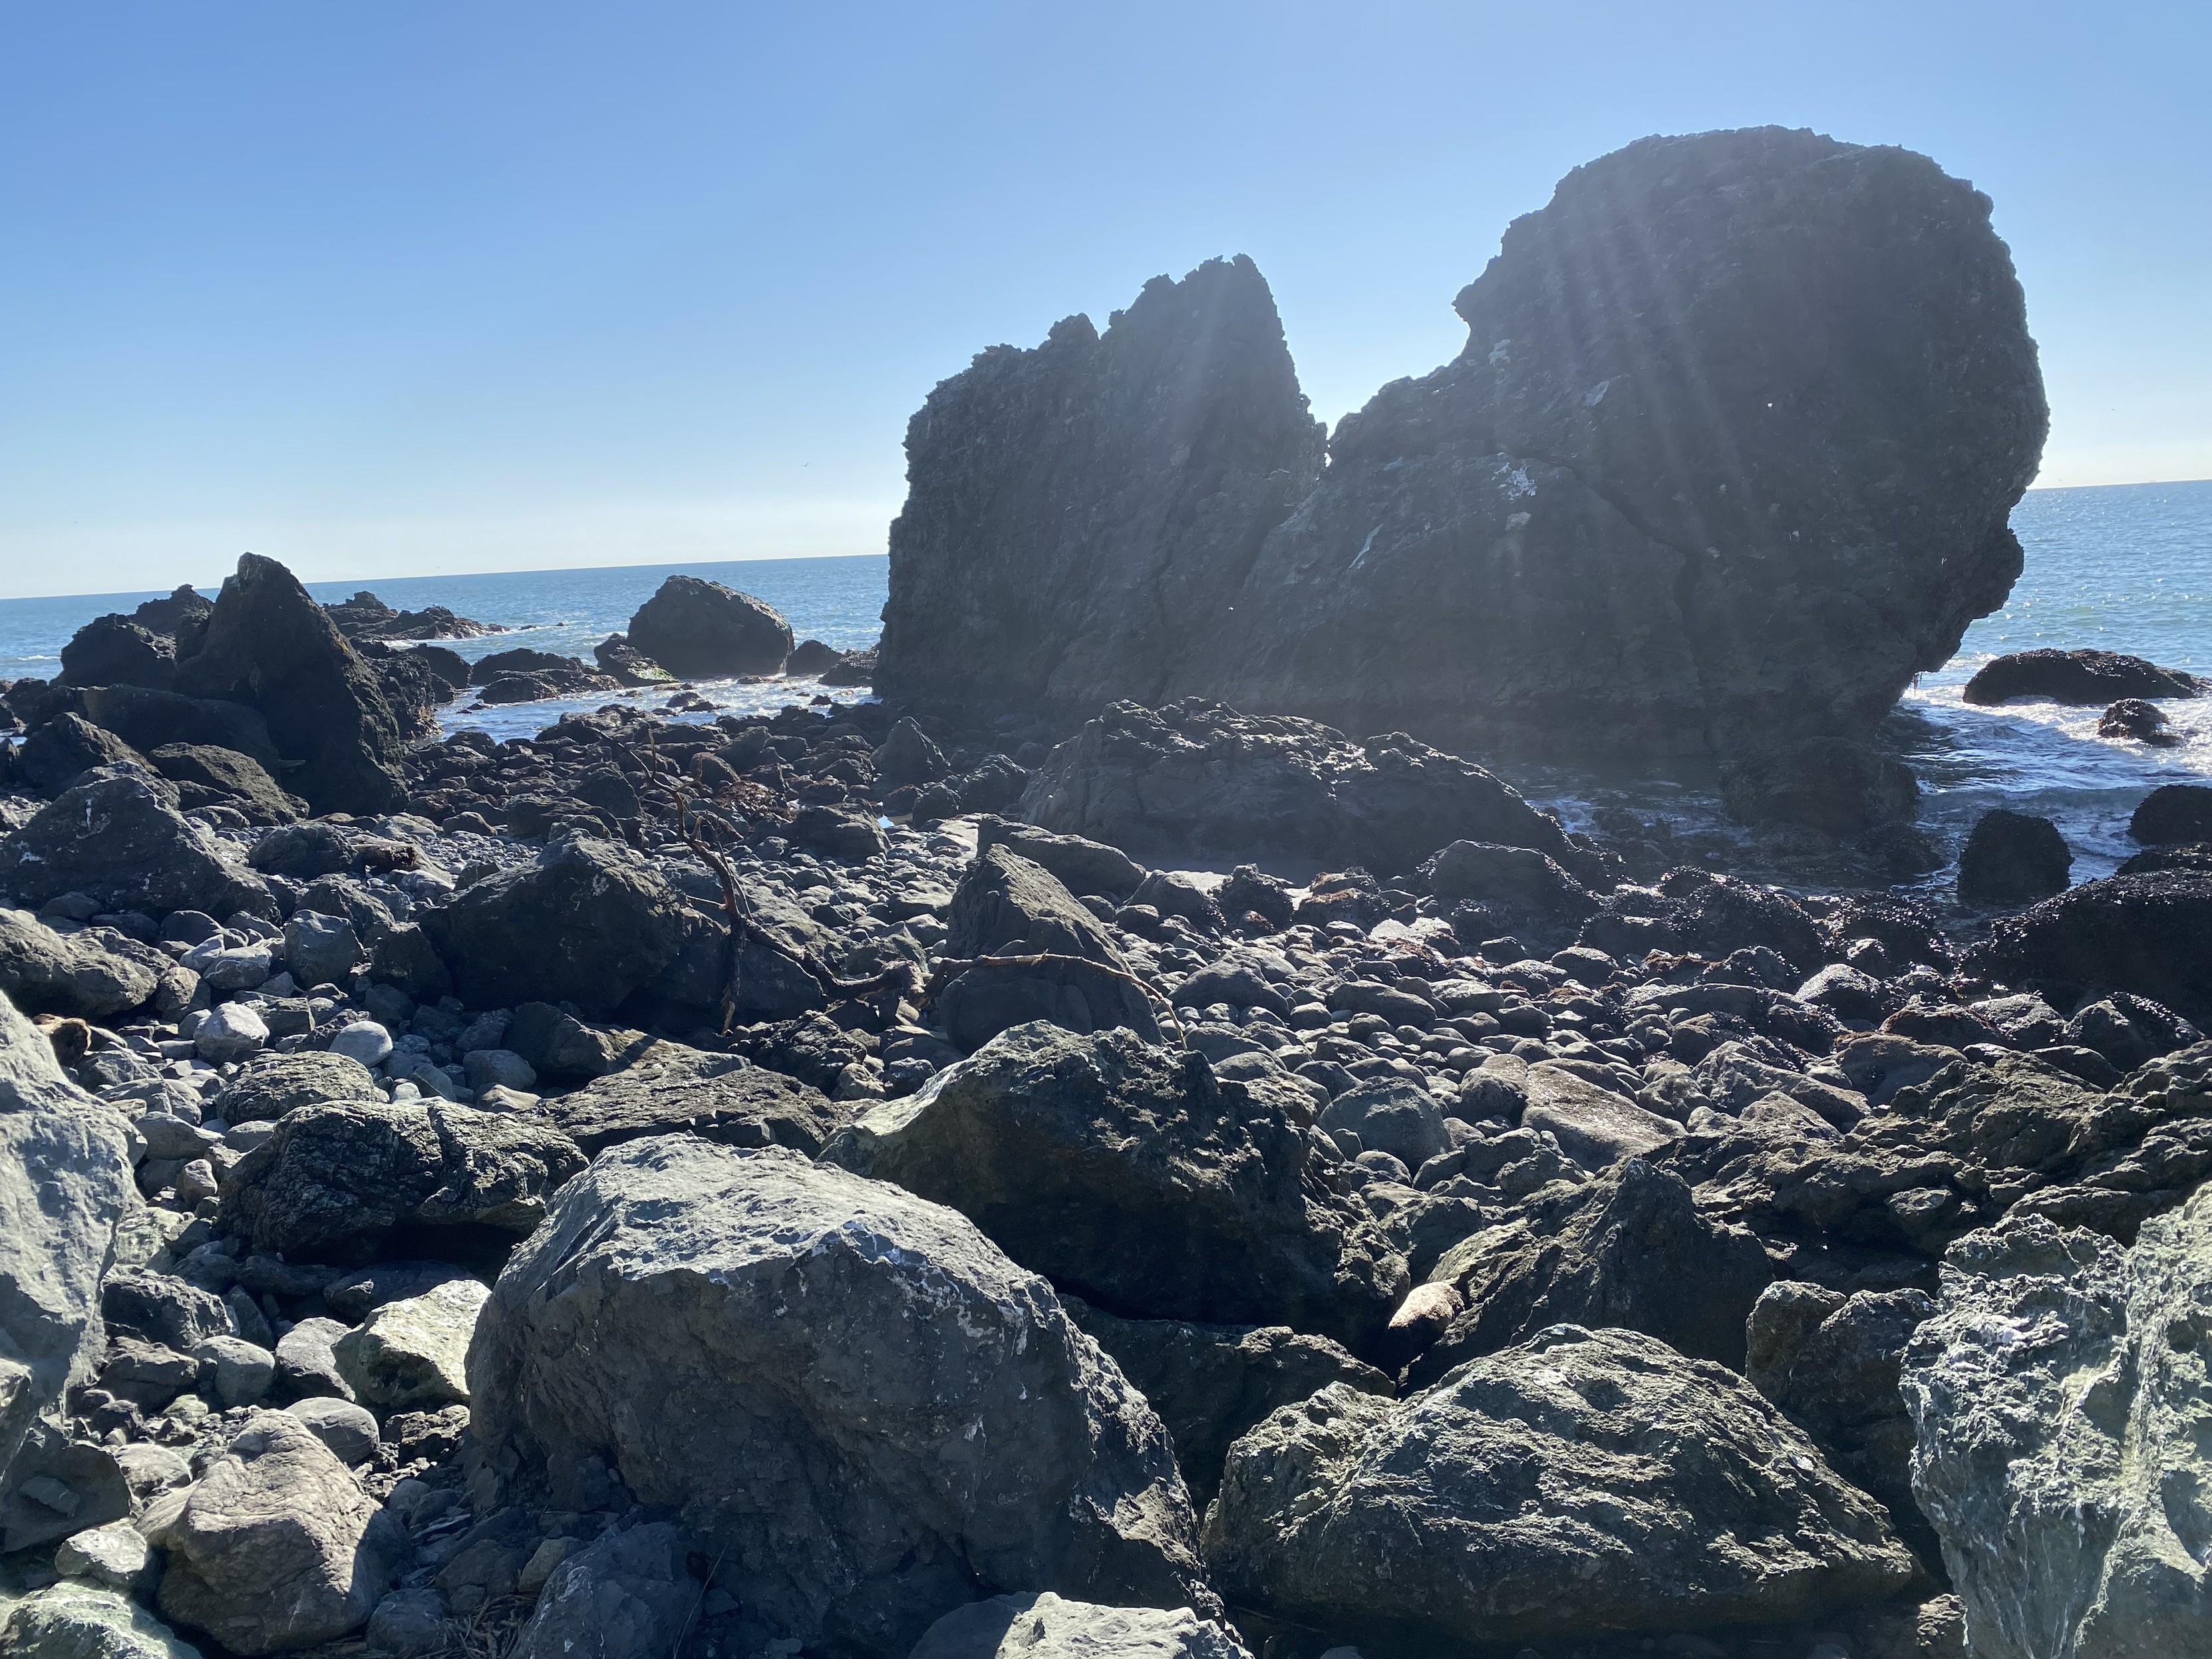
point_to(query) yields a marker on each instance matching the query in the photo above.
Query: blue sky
(396, 287)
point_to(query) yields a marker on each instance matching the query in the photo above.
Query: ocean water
(2124, 567)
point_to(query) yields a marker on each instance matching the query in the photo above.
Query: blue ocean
(2120, 567)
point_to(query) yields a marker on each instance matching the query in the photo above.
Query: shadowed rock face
(1077, 515)
(1726, 459)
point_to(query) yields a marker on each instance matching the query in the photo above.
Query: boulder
(2061, 1407)
(2081, 677)
(117, 837)
(209, 776)
(1391, 1115)
(907, 756)
(1197, 776)
(1135, 1179)
(1593, 1126)
(114, 650)
(93, 974)
(149, 720)
(1627, 1250)
(1583, 1482)
(2149, 934)
(630, 1593)
(1038, 1624)
(587, 922)
(1077, 515)
(1601, 530)
(1834, 785)
(2173, 812)
(1006, 906)
(2012, 858)
(851, 837)
(1526, 891)
(935, 1429)
(268, 1086)
(74, 1619)
(358, 1183)
(668, 1088)
(276, 1546)
(1211, 1383)
(2133, 719)
(57, 754)
(413, 1354)
(702, 630)
(268, 646)
(1079, 864)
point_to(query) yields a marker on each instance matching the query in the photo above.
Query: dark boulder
(1081, 866)
(95, 973)
(908, 756)
(147, 719)
(1830, 784)
(848, 838)
(703, 630)
(2012, 858)
(1200, 776)
(116, 651)
(2149, 934)
(56, 755)
(853, 668)
(669, 1088)
(1728, 459)
(184, 610)
(1525, 890)
(268, 646)
(929, 1429)
(810, 658)
(2132, 719)
(354, 1182)
(365, 617)
(2173, 812)
(2076, 676)
(1079, 515)
(118, 837)
(628, 666)
(586, 922)
(207, 776)
(1134, 1178)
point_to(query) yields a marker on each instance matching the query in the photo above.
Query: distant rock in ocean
(1727, 460)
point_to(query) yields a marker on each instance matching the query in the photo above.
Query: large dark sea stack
(1078, 516)
(1726, 459)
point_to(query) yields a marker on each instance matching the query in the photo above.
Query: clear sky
(385, 287)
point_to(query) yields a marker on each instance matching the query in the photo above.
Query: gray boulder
(354, 1183)
(1133, 1177)
(266, 1087)
(58, 753)
(206, 775)
(1077, 515)
(1080, 866)
(2062, 1403)
(932, 1429)
(1584, 1482)
(276, 1546)
(117, 837)
(413, 1355)
(670, 1088)
(64, 1184)
(93, 974)
(702, 630)
(76, 1620)
(1391, 1115)
(1038, 1624)
(628, 1595)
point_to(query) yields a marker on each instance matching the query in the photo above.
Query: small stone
(349, 1430)
(364, 1040)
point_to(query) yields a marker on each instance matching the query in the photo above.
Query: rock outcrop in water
(1728, 459)
(1078, 516)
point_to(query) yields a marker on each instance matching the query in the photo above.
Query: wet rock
(2149, 934)
(91, 975)
(209, 776)
(2133, 719)
(276, 1546)
(1062, 560)
(117, 837)
(1584, 1481)
(702, 630)
(628, 666)
(868, 1508)
(2173, 812)
(2076, 676)
(413, 1354)
(77, 1620)
(628, 1595)
(64, 1185)
(1560, 540)
(588, 922)
(670, 1088)
(1834, 785)
(366, 616)
(1044, 1624)
(1628, 1250)
(2012, 858)
(2059, 1398)
(268, 646)
(1201, 776)
(1136, 1179)
(353, 1183)
(1211, 1383)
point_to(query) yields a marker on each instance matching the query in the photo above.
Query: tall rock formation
(1727, 460)
(1077, 515)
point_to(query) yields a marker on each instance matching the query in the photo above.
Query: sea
(2119, 568)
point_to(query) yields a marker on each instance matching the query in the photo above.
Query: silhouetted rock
(811, 658)
(184, 606)
(2076, 676)
(1079, 515)
(268, 645)
(702, 630)
(2149, 934)
(365, 617)
(2012, 858)
(1829, 784)
(149, 720)
(2131, 719)
(2173, 812)
(114, 650)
